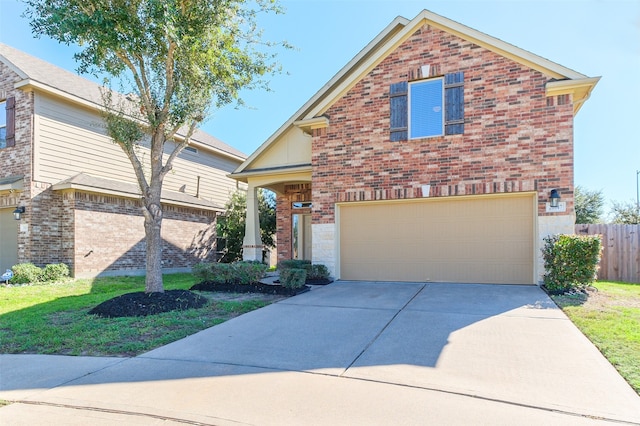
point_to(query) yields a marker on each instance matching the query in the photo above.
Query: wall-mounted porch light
(18, 212)
(554, 198)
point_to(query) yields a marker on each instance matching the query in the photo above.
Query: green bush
(319, 272)
(570, 261)
(249, 272)
(295, 264)
(237, 272)
(293, 277)
(55, 272)
(24, 273)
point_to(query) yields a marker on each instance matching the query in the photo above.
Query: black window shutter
(10, 107)
(399, 111)
(454, 103)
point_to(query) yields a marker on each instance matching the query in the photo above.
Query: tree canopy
(174, 59)
(625, 213)
(589, 205)
(232, 226)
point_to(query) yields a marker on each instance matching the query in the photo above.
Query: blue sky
(596, 38)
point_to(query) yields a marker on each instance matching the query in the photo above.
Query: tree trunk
(153, 228)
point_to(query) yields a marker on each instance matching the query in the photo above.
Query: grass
(610, 318)
(54, 319)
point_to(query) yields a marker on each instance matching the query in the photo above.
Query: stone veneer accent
(551, 225)
(324, 245)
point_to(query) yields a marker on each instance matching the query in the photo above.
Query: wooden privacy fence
(621, 251)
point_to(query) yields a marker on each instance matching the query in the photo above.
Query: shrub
(24, 273)
(55, 272)
(319, 272)
(293, 277)
(215, 272)
(295, 264)
(249, 272)
(570, 261)
(237, 272)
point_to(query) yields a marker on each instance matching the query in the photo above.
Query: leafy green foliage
(294, 263)
(231, 226)
(24, 273)
(293, 277)
(570, 261)
(237, 272)
(589, 205)
(625, 213)
(55, 272)
(319, 272)
(174, 59)
(316, 271)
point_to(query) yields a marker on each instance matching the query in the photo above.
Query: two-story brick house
(437, 154)
(78, 190)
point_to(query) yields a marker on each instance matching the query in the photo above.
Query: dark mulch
(249, 288)
(141, 304)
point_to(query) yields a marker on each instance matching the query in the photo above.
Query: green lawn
(610, 318)
(53, 318)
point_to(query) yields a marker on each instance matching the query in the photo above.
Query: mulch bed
(140, 304)
(319, 281)
(249, 288)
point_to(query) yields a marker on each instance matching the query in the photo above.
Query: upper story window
(7, 125)
(427, 108)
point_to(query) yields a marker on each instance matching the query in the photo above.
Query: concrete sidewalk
(348, 353)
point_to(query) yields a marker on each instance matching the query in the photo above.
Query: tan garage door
(8, 239)
(484, 239)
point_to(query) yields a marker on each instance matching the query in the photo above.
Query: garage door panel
(457, 239)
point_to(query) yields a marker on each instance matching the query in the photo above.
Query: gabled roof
(397, 32)
(41, 75)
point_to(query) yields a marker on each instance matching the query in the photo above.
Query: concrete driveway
(349, 353)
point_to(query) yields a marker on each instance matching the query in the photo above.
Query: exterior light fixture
(554, 198)
(17, 213)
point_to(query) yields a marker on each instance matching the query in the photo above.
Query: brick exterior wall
(16, 160)
(515, 139)
(108, 235)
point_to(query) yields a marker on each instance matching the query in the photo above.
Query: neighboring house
(431, 156)
(78, 189)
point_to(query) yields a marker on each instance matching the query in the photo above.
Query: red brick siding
(109, 234)
(513, 140)
(16, 160)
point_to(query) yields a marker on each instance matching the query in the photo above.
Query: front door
(301, 236)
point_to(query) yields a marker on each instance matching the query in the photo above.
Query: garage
(465, 239)
(8, 239)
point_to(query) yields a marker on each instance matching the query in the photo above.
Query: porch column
(252, 243)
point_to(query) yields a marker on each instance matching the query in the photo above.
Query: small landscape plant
(237, 272)
(295, 263)
(24, 273)
(570, 262)
(319, 272)
(293, 277)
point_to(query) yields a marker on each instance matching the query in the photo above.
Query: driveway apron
(348, 353)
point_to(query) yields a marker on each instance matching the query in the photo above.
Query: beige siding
(70, 140)
(291, 148)
(486, 239)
